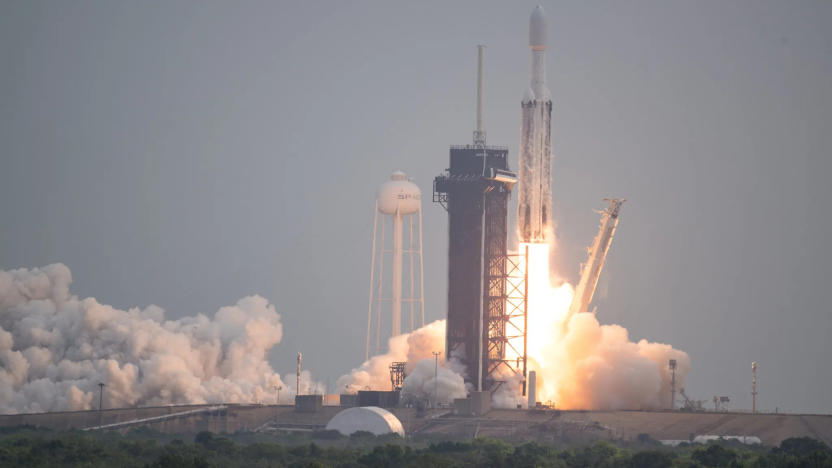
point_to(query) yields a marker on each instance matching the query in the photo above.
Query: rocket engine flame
(582, 364)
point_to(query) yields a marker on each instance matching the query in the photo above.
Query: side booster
(535, 158)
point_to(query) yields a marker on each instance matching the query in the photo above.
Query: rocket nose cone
(537, 28)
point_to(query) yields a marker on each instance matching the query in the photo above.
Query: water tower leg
(379, 289)
(421, 274)
(372, 273)
(396, 321)
(411, 299)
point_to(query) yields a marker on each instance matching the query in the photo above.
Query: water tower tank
(398, 192)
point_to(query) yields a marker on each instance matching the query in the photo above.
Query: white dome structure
(372, 419)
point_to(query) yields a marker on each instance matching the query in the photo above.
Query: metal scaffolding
(507, 317)
(397, 375)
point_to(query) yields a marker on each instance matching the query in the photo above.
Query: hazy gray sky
(187, 154)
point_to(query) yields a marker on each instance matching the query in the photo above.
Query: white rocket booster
(535, 159)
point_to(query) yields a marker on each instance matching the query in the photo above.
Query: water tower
(398, 207)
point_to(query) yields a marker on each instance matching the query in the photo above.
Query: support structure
(591, 270)
(507, 279)
(397, 375)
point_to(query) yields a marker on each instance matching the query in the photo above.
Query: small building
(477, 404)
(308, 403)
(349, 399)
(382, 399)
(332, 400)
(373, 419)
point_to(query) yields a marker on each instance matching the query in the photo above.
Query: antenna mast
(479, 133)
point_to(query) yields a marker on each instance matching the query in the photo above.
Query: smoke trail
(55, 348)
(416, 349)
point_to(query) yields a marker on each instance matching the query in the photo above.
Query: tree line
(33, 447)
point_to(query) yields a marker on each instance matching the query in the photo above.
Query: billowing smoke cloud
(582, 364)
(598, 367)
(416, 349)
(55, 348)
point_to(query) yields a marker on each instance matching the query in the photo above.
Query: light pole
(277, 401)
(436, 377)
(100, 402)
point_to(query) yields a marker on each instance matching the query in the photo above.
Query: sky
(187, 154)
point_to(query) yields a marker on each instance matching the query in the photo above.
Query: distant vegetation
(31, 447)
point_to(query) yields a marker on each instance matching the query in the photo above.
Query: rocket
(535, 156)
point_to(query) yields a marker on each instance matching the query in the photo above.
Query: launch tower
(475, 190)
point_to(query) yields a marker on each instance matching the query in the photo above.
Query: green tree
(798, 446)
(384, 456)
(601, 454)
(714, 455)
(651, 459)
(532, 454)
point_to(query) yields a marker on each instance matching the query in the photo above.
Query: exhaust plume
(582, 364)
(56, 347)
(416, 349)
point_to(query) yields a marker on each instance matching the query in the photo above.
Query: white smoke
(598, 367)
(428, 381)
(510, 392)
(416, 349)
(55, 348)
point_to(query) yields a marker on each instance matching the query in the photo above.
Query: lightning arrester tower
(399, 202)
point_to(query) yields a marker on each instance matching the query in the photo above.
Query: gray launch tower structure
(482, 278)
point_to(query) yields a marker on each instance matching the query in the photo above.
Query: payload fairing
(535, 158)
